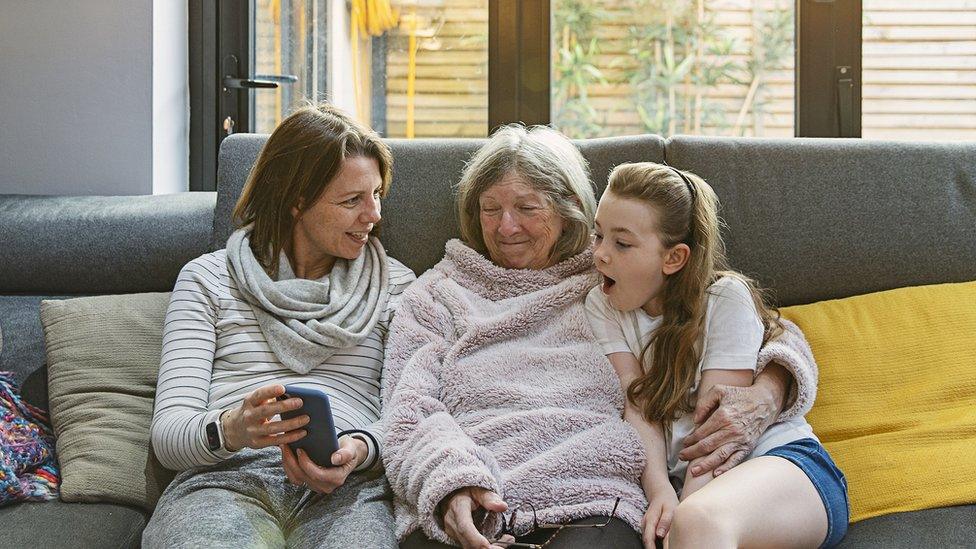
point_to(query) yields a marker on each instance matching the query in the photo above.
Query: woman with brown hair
(302, 294)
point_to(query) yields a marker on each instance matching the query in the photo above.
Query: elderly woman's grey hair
(550, 164)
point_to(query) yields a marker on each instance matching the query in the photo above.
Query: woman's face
(338, 224)
(519, 225)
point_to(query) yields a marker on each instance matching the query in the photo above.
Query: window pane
(919, 70)
(285, 34)
(439, 90)
(714, 67)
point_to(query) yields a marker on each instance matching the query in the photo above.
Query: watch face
(213, 436)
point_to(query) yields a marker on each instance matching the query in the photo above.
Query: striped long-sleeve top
(214, 354)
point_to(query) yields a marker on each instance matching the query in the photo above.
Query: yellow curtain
(367, 18)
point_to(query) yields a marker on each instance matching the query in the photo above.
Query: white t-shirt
(733, 336)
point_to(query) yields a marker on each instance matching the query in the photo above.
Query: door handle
(268, 81)
(247, 83)
(260, 81)
(280, 78)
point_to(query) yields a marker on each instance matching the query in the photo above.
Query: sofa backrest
(817, 219)
(419, 213)
(811, 219)
(100, 244)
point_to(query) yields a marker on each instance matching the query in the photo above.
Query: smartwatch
(215, 434)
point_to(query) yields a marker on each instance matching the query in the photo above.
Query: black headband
(691, 188)
(691, 191)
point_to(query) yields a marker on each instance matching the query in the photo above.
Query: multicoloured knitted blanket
(28, 467)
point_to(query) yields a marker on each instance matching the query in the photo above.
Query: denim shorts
(811, 457)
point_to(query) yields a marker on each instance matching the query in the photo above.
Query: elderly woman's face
(519, 225)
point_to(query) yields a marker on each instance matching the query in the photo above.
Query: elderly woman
(302, 294)
(497, 398)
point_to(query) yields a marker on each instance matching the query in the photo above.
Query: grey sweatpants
(246, 501)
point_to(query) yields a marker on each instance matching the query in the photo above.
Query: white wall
(170, 98)
(77, 98)
(340, 85)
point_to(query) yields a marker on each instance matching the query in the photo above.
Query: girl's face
(629, 254)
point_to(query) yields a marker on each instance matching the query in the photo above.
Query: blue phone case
(320, 442)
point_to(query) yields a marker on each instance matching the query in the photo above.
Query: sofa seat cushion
(896, 403)
(942, 527)
(59, 524)
(103, 359)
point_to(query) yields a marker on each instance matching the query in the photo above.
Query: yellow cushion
(896, 402)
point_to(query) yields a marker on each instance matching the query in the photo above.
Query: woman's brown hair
(687, 211)
(299, 160)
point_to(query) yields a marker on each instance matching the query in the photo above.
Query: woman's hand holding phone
(250, 425)
(301, 470)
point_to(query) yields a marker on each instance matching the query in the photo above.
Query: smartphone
(320, 442)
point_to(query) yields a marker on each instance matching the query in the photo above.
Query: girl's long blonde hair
(688, 213)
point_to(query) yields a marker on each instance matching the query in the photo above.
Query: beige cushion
(103, 359)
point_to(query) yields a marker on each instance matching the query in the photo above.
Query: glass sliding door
(713, 67)
(408, 68)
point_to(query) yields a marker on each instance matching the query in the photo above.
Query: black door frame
(828, 68)
(219, 37)
(518, 62)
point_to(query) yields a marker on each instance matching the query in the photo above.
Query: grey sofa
(812, 219)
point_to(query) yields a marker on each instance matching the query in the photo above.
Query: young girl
(674, 323)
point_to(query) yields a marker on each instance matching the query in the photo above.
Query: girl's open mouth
(608, 283)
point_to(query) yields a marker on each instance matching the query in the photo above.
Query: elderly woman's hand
(736, 417)
(250, 425)
(301, 470)
(459, 509)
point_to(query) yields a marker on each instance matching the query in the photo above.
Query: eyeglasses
(508, 527)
